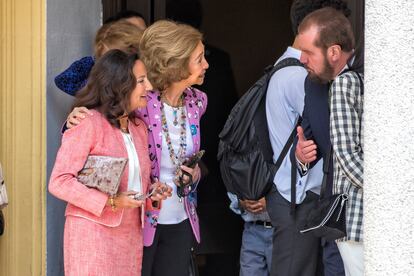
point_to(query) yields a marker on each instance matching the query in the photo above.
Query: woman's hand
(160, 191)
(76, 116)
(125, 200)
(195, 174)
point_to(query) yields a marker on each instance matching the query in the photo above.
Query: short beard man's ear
(334, 53)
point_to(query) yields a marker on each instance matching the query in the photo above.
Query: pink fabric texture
(97, 240)
(196, 104)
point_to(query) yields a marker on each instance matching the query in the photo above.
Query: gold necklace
(179, 103)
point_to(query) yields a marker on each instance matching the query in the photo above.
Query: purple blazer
(196, 104)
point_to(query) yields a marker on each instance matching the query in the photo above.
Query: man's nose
(303, 59)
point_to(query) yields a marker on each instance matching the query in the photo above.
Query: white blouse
(134, 173)
(172, 211)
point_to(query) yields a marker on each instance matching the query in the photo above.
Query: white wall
(71, 26)
(389, 132)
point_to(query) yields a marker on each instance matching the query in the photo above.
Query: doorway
(242, 38)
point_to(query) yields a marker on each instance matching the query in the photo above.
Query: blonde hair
(165, 49)
(121, 35)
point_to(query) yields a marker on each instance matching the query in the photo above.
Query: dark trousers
(294, 254)
(170, 252)
(332, 260)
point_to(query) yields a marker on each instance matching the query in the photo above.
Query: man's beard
(326, 75)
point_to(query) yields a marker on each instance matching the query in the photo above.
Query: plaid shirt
(346, 131)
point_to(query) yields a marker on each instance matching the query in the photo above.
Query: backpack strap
(287, 146)
(260, 118)
(262, 128)
(282, 64)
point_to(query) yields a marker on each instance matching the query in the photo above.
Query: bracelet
(112, 203)
(304, 166)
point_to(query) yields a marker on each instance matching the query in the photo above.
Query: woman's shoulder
(95, 117)
(198, 97)
(196, 93)
(94, 120)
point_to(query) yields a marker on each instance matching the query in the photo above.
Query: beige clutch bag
(103, 173)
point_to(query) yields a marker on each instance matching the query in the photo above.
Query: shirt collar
(290, 53)
(347, 64)
(293, 52)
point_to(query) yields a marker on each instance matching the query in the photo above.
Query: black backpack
(245, 153)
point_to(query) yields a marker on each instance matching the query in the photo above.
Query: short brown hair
(334, 28)
(110, 85)
(301, 8)
(121, 35)
(165, 48)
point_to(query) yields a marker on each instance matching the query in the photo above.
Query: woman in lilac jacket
(174, 56)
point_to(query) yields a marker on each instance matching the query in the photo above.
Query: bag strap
(326, 162)
(282, 64)
(287, 146)
(293, 178)
(266, 145)
(275, 167)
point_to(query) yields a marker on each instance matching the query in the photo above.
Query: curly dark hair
(301, 8)
(110, 85)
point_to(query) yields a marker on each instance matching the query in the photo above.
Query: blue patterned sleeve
(74, 78)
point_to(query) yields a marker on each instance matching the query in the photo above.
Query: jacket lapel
(193, 115)
(154, 126)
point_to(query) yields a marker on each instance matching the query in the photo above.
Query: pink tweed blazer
(95, 136)
(196, 104)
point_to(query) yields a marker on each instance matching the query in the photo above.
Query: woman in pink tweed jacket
(103, 235)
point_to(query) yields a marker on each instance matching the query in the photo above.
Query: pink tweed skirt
(94, 249)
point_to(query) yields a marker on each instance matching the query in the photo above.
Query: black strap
(282, 155)
(287, 146)
(279, 161)
(282, 64)
(262, 128)
(326, 162)
(293, 179)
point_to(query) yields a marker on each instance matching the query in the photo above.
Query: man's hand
(305, 149)
(253, 206)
